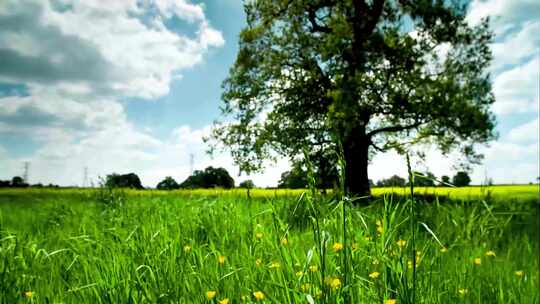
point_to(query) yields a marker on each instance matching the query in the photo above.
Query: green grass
(85, 246)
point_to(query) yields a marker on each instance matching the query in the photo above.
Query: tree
(296, 178)
(426, 179)
(345, 75)
(168, 184)
(130, 180)
(18, 182)
(461, 179)
(247, 184)
(393, 181)
(445, 180)
(209, 178)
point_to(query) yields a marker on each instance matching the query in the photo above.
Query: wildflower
(390, 301)
(259, 235)
(313, 268)
(374, 275)
(401, 243)
(337, 247)
(305, 287)
(211, 294)
(477, 261)
(380, 228)
(187, 248)
(375, 262)
(258, 262)
(259, 295)
(28, 294)
(463, 291)
(519, 273)
(410, 263)
(299, 273)
(221, 259)
(335, 283)
(444, 249)
(284, 241)
(275, 265)
(368, 238)
(224, 301)
(490, 254)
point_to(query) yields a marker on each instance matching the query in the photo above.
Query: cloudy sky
(132, 86)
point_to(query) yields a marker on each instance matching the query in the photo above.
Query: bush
(209, 178)
(168, 184)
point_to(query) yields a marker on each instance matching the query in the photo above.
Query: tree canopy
(358, 77)
(130, 180)
(209, 178)
(168, 184)
(461, 179)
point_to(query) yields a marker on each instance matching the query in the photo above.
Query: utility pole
(85, 178)
(191, 162)
(26, 169)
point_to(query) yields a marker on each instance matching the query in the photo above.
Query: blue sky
(75, 93)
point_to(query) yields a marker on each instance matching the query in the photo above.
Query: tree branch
(396, 128)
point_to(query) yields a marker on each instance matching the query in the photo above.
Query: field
(444, 245)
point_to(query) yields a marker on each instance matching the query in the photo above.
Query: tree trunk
(355, 150)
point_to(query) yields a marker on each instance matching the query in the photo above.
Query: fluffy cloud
(78, 60)
(515, 89)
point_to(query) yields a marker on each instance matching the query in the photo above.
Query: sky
(134, 85)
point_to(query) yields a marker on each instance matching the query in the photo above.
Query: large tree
(359, 77)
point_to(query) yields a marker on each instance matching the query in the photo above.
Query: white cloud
(516, 48)
(525, 133)
(516, 89)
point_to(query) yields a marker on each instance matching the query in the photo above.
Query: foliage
(130, 180)
(296, 178)
(209, 178)
(426, 179)
(393, 181)
(445, 180)
(16, 182)
(461, 179)
(345, 75)
(66, 248)
(247, 184)
(168, 184)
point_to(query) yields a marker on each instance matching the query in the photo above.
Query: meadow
(442, 245)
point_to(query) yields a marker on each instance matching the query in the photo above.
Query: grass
(85, 246)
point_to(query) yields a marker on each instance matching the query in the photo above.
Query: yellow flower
(490, 253)
(335, 283)
(519, 273)
(275, 265)
(221, 259)
(313, 268)
(259, 235)
(305, 287)
(284, 241)
(211, 294)
(259, 295)
(378, 223)
(337, 247)
(444, 249)
(367, 238)
(374, 275)
(401, 243)
(299, 273)
(224, 301)
(258, 262)
(463, 291)
(28, 294)
(187, 248)
(380, 229)
(390, 301)
(477, 261)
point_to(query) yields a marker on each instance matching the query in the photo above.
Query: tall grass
(156, 247)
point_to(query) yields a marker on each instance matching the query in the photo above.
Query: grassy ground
(73, 246)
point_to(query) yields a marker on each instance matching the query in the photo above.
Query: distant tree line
(19, 182)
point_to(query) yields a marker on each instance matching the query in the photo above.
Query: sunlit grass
(218, 246)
